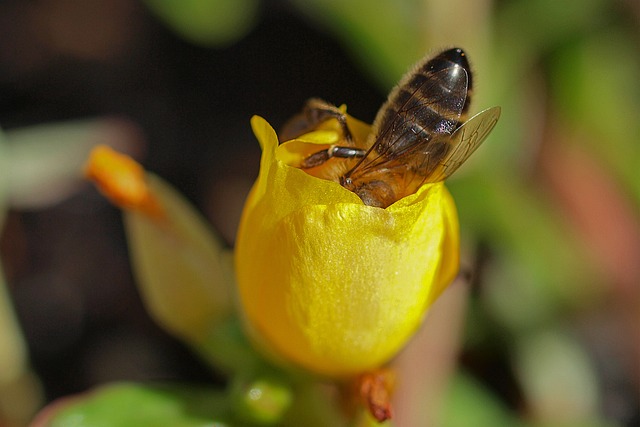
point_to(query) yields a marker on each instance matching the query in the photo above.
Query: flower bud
(328, 283)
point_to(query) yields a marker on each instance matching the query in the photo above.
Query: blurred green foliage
(207, 22)
(141, 406)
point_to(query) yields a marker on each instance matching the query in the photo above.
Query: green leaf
(468, 404)
(207, 22)
(123, 405)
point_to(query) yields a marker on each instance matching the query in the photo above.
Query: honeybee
(419, 135)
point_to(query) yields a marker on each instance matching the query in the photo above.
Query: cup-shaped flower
(328, 283)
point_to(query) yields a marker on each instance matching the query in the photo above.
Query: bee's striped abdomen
(429, 102)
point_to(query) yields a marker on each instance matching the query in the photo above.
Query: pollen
(122, 180)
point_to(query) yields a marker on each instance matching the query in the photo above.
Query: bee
(420, 134)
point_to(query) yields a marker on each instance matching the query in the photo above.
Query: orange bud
(122, 180)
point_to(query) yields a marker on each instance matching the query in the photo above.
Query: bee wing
(422, 110)
(464, 141)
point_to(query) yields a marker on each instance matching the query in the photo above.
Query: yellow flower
(326, 282)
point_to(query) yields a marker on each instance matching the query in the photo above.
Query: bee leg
(316, 159)
(317, 111)
(346, 152)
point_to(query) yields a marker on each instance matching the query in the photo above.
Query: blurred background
(549, 206)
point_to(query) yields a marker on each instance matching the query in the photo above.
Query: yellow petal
(333, 285)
